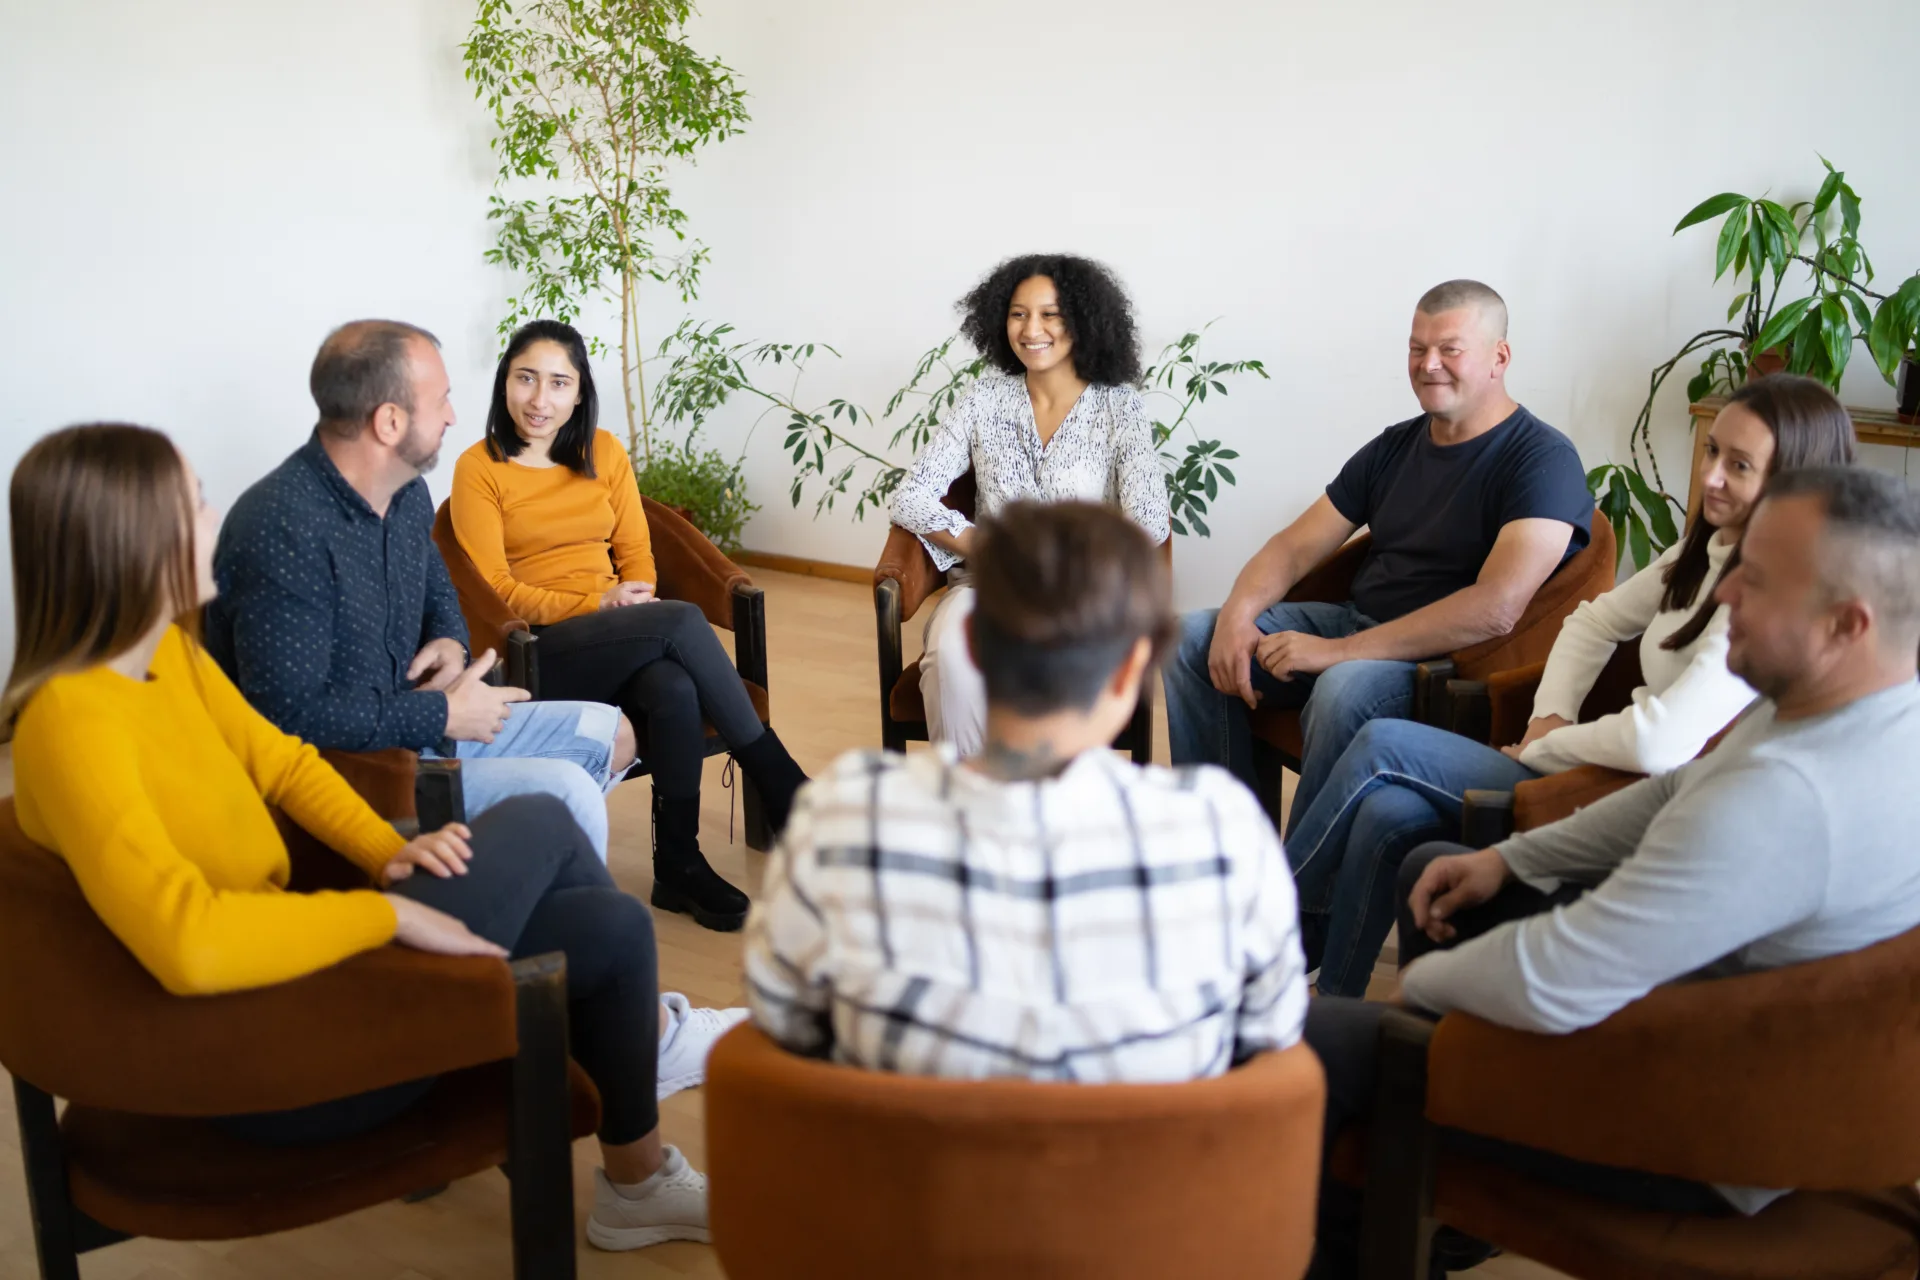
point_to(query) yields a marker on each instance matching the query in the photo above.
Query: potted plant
(1760, 241)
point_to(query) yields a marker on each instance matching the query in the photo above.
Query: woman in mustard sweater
(547, 508)
(139, 763)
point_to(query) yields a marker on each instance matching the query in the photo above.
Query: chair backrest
(827, 1171)
(1795, 1077)
(82, 1019)
(1587, 575)
(691, 568)
(1613, 688)
(489, 620)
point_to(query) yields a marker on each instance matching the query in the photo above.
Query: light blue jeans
(1205, 726)
(562, 749)
(1397, 786)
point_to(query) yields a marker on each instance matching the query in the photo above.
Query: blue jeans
(1396, 787)
(561, 749)
(1205, 726)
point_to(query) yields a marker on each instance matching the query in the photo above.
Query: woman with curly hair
(1058, 418)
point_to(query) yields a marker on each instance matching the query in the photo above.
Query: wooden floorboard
(824, 678)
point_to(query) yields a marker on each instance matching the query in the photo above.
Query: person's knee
(523, 821)
(620, 928)
(677, 618)
(1196, 637)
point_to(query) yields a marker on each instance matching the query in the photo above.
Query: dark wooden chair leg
(758, 832)
(539, 1143)
(1486, 818)
(1396, 1220)
(523, 662)
(1430, 702)
(886, 615)
(46, 1168)
(1270, 766)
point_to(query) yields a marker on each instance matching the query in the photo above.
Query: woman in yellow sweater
(139, 763)
(547, 508)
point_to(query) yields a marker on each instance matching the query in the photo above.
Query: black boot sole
(669, 899)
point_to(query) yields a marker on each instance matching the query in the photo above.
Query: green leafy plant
(1761, 242)
(823, 446)
(703, 484)
(596, 98)
(1642, 518)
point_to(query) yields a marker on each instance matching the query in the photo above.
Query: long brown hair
(1810, 429)
(102, 548)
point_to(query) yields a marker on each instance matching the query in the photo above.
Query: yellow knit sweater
(548, 541)
(156, 794)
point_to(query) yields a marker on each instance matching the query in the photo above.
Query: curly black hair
(1098, 316)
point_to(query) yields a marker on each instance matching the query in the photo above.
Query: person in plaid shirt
(1046, 909)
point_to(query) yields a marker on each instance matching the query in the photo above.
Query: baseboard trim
(812, 568)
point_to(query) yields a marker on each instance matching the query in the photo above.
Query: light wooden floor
(825, 681)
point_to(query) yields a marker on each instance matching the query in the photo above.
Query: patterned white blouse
(1102, 452)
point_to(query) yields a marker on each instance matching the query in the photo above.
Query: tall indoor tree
(594, 99)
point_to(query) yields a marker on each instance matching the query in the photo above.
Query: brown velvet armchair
(1276, 730)
(903, 581)
(691, 568)
(1797, 1077)
(1008, 1179)
(133, 1153)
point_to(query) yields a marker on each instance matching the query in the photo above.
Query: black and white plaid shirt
(1111, 923)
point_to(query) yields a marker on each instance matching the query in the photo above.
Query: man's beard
(1767, 686)
(418, 454)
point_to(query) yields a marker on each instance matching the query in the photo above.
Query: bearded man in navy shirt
(1472, 506)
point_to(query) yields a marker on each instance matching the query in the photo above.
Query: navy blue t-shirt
(1435, 511)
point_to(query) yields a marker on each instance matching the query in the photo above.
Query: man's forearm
(1466, 617)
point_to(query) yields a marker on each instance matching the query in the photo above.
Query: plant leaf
(1637, 539)
(1781, 325)
(1709, 208)
(1659, 516)
(1828, 190)
(1729, 242)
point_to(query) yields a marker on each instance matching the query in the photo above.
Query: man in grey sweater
(1792, 841)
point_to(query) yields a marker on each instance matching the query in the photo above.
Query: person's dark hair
(1870, 548)
(1098, 316)
(1810, 429)
(361, 366)
(573, 446)
(1062, 592)
(102, 529)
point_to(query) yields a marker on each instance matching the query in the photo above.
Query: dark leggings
(1345, 1033)
(661, 664)
(535, 885)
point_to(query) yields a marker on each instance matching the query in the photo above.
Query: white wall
(199, 189)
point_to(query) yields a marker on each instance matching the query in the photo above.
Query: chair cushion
(1806, 1236)
(178, 1179)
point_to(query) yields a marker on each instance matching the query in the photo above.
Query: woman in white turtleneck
(1400, 784)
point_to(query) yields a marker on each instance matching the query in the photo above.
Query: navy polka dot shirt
(324, 604)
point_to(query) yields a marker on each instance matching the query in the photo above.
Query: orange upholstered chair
(822, 1171)
(1276, 731)
(902, 582)
(1797, 1077)
(691, 568)
(134, 1154)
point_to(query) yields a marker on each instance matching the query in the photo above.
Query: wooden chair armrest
(1430, 704)
(691, 568)
(750, 633)
(1396, 1226)
(1559, 795)
(1795, 1077)
(1469, 709)
(1510, 703)
(1486, 818)
(904, 562)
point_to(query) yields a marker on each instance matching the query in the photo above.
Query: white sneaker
(671, 1205)
(687, 1040)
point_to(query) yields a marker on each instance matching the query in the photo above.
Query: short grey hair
(361, 366)
(1870, 549)
(1454, 294)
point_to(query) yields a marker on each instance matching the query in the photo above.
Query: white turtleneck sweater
(1689, 694)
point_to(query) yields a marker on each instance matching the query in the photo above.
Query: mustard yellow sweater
(156, 794)
(548, 541)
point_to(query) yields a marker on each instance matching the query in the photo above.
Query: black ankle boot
(776, 774)
(682, 880)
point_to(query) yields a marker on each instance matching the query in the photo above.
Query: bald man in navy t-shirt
(1472, 505)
